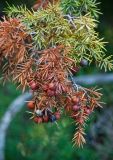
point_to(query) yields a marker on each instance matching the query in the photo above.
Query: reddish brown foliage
(48, 73)
(14, 48)
(13, 39)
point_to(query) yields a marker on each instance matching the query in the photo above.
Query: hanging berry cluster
(55, 93)
(42, 50)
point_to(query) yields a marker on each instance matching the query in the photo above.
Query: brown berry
(45, 119)
(75, 108)
(51, 86)
(87, 111)
(50, 93)
(33, 86)
(57, 115)
(38, 120)
(75, 100)
(31, 105)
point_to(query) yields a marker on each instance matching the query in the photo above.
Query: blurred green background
(27, 141)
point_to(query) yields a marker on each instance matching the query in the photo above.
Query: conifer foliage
(44, 48)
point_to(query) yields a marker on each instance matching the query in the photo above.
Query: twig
(70, 20)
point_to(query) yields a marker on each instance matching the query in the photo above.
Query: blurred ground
(26, 141)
